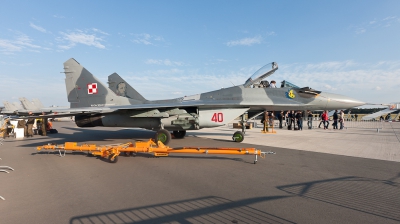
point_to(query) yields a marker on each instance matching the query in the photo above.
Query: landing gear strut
(239, 135)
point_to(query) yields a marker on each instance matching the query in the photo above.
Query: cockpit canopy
(256, 80)
(261, 74)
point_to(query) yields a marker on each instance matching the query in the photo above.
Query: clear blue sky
(168, 49)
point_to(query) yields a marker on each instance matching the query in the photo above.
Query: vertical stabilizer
(120, 87)
(28, 105)
(9, 106)
(85, 90)
(18, 106)
(37, 103)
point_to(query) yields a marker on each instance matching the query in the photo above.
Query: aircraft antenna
(232, 83)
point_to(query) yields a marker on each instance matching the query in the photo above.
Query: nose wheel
(238, 136)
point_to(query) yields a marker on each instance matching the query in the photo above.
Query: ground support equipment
(111, 152)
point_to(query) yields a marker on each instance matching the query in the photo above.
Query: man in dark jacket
(280, 118)
(335, 120)
(299, 118)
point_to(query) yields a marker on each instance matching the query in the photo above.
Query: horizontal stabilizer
(378, 114)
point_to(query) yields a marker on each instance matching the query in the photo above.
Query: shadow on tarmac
(209, 209)
(371, 196)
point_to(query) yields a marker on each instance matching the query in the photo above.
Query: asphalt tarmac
(292, 186)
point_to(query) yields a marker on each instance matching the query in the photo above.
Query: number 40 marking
(218, 117)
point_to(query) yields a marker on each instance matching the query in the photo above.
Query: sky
(169, 49)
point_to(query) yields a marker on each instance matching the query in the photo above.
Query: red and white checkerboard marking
(92, 88)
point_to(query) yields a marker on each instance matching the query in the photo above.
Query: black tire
(163, 136)
(112, 160)
(179, 134)
(238, 136)
(127, 154)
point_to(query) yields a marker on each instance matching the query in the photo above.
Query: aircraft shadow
(371, 196)
(209, 209)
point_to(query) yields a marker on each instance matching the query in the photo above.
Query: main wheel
(111, 159)
(163, 136)
(238, 136)
(179, 134)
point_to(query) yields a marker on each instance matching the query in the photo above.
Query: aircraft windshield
(288, 84)
(261, 74)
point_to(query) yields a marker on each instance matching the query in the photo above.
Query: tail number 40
(218, 117)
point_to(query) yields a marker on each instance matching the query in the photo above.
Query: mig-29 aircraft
(94, 104)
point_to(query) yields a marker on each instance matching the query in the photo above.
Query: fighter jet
(94, 104)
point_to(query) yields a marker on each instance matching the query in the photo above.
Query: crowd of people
(338, 118)
(293, 120)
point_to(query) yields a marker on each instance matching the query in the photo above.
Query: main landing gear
(179, 134)
(164, 136)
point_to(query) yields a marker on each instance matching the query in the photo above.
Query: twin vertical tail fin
(28, 105)
(84, 89)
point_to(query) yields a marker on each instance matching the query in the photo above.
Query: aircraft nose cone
(336, 101)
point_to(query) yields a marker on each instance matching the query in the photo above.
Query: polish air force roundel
(92, 88)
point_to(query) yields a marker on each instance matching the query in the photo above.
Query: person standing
(321, 120)
(299, 118)
(286, 119)
(290, 119)
(341, 119)
(280, 117)
(310, 117)
(271, 118)
(29, 125)
(356, 116)
(44, 124)
(264, 120)
(335, 120)
(22, 124)
(325, 119)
